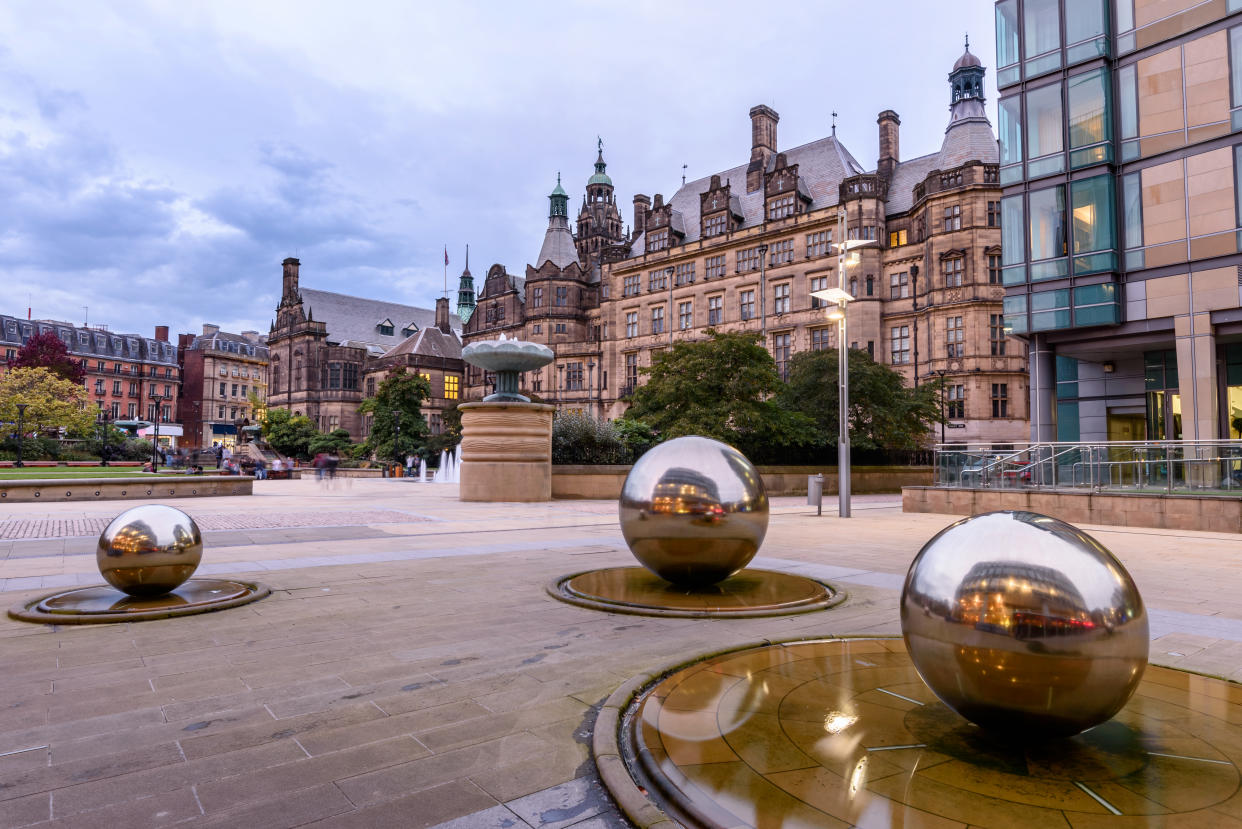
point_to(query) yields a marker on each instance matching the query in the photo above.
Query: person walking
(219, 452)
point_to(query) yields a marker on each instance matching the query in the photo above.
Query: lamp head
(833, 296)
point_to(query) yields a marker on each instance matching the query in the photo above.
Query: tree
(403, 394)
(450, 434)
(720, 388)
(52, 402)
(46, 350)
(334, 442)
(884, 412)
(289, 434)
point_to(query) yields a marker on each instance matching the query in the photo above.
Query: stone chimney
(890, 126)
(290, 294)
(641, 205)
(251, 337)
(762, 144)
(161, 333)
(209, 329)
(442, 315)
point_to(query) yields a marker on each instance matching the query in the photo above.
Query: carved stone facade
(743, 250)
(325, 368)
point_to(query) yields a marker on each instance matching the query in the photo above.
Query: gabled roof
(821, 166)
(430, 342)
(355, 320)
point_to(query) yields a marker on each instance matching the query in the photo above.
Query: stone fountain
(506, 440)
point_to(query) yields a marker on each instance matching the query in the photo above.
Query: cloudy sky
(159, 159)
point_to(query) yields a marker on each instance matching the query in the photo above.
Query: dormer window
(781, 207)
(410, 330)
(386, 328)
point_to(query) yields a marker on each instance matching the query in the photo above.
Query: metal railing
(1136, 466)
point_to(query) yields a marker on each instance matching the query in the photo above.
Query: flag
(446, 257)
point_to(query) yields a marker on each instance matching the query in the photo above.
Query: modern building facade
(224, 384)
(128, 376)
(742, 250)
(1121, 258)
(327, 350)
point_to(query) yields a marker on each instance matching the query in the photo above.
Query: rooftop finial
(600, 143)
(968, 41)
(834, 122)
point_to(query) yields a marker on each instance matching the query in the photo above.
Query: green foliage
(105, 441)
(581, 439)
(397, 401)
(52, 403)
(334, 442)
(636, 436)
(447, 439)
(289, 434)
(34, 447)
(720, 388)
(884, 413)
(135, 450)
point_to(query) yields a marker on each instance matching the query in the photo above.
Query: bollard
(815, 492)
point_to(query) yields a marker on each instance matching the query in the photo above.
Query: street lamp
(763, 293)
(838, 298)
(942, 373)
(104, 449)
(396, 435)
(591, 384)
(155, 443)
(21, 414)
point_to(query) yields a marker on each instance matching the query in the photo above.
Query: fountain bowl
(507, 358)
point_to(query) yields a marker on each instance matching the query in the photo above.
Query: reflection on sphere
(1023, 623)
(693, 511)
(149, 550)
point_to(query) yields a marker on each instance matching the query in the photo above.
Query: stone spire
(599, 220)
(969, 136)
(465, 292)
(558, 242)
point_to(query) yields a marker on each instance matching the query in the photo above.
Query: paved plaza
(409, 668)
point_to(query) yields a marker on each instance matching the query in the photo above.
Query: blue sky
(159, 159)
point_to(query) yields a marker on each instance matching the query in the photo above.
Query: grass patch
(58, 472)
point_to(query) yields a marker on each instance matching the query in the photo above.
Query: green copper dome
(559, 191)
(600, 176)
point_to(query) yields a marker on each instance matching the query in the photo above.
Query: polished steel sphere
(149, 550)
(1025, 624)
(693, 511)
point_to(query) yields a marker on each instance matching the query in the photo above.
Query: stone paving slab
(415, 674)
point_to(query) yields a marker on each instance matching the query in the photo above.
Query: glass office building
(1120, 130)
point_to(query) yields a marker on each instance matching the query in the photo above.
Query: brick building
(128, 376)
(220, 374)
(327, 350)
(743, 249)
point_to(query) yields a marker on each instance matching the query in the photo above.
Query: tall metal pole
(843, 371)
(763, 293)
(396, 435)
(155, 444)
(21, 414)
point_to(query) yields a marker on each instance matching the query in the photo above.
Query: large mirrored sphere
(693, 511)
(149, 550)
(1025, 624)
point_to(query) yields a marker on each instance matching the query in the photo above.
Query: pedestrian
(409, 466)
(219, 453)
(332, 461)
(320, 464)
(260, 469)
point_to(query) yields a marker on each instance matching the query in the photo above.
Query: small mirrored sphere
(1025, 624)
(149, 550)
(693, 511)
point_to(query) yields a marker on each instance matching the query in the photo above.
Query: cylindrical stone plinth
(506, 452)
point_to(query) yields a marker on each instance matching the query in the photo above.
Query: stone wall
(112, 489)
(603, 482)
(1210, 513)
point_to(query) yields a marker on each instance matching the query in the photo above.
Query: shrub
(582, 439)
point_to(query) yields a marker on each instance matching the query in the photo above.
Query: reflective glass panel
(1010, 122)
(1091, 207)
(1047, 225)
(1084, 19)
(1013, 248)
(1043, 26)
(1132, 201)
(1235, 64)
(1007, 33)
(1043, 121)
(1089, 117)
(1127, 88)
